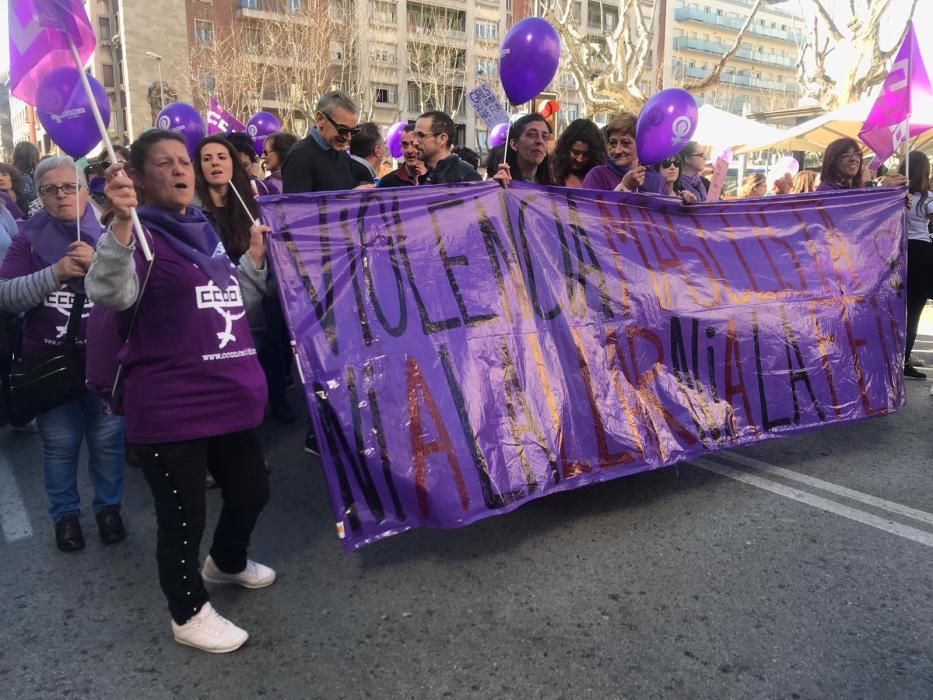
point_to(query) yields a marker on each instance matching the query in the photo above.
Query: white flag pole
(245, 208)
(105, 137)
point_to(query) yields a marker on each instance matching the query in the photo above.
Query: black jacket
(450, 171)
(309, 168)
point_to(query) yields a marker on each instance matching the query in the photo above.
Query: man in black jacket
(434, 133)
(320, 161)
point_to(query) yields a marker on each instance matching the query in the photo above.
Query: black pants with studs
(176, 473)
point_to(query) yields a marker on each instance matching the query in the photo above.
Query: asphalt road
(724, 580)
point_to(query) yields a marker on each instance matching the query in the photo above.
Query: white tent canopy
(817, 133)
(720, 130)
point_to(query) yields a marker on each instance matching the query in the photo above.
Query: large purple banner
(466, 349)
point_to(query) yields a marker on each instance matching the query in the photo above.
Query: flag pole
(105, 137)
(242, 203)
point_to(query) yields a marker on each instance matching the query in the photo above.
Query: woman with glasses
(527, 153)
(692, 163)
(670, 170)
(842, 168)
(580, 148)
(274, 150)
(193, 391)
(42, 277)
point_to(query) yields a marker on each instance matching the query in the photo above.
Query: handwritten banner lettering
(466, 349)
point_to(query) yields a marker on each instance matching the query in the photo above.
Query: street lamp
(158, 59)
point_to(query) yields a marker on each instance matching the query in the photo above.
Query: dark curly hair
(578, 130)
(233, 222)
(18, 181)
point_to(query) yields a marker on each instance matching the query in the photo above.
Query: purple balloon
(665, 124)
(498, 135)
(528, 59)
(394, 139)
(65, 112)
(184, 119)
(261, 125)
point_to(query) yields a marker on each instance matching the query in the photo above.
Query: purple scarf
(694, 184)
(49, 238)
(191, 236)
(12, 207)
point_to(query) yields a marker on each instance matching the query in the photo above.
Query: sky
(923, 22)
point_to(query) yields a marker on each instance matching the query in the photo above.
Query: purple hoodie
(607, 177)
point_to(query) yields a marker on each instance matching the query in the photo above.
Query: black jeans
(176, 473)
(273, 353)
(919, 287)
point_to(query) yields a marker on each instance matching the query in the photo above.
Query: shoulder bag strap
(74, 319)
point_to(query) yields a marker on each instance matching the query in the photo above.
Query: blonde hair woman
(804, 181)
(755, 185)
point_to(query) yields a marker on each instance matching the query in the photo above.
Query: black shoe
(913, 373)
(282, 412)
(311, 444)
(68, 535)
(110, 525)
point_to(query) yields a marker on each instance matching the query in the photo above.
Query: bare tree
(858, 39)
(614, 69)
(284, 62)
(437, 59)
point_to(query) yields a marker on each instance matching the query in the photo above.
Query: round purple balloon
(183, 119)
(528, 59)
(394, 139)
(665, 124)
(498, 135)
(65, 112)
(261, 125)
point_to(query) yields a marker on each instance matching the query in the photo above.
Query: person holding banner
(43, 277)
(622, 172)
(670, 170)
(692, 164)
(434, 135)
(527, 153)
(919, 250)
(580, 148)
(842, 168)
(274, 150)
(193, 390)
(412, 168)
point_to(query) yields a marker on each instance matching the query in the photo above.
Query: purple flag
(904, 108)
(39, 41)
(467, 349)
(220, 121)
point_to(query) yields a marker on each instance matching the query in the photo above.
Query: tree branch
(712, 79)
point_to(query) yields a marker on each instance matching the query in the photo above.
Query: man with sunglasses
(321, 162)
(434, 136)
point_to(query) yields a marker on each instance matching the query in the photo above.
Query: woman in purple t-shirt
(193, 391)
(42, 276)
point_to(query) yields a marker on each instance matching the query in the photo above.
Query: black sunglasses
(342, 131)
(668, 163)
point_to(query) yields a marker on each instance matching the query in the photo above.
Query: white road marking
(905, 531)
(852, 495)
(13, 518)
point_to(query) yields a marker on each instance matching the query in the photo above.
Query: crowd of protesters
(194, 385)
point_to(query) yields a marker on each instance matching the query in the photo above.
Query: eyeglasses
(668, 163)
(851, 155)
(342, 131)
(52, 190)
(421, 136)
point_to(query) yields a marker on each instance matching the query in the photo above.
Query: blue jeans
(62, 430)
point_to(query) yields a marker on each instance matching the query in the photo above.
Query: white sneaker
(255, 575)
(210, 631)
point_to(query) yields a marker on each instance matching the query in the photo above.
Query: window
(571, 111)
(107, 75)
(384, 12)
(382, 53)
(386, 95)
(203, 32)
(414, 98)
(249, 4)
(104, 32)
(487, 30)
(252, 42)
(294, 6)
(206, 82)
(486, 66)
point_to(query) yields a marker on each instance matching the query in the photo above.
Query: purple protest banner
(466, 349)
(220, 121)
(39, 33)
(904, 108)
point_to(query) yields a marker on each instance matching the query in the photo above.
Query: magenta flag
(904, 108)
(39, 41)
(467, 349)
(220, 121)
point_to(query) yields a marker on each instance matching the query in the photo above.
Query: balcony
(689, 14)
(738, 79)
(713, 48)
(420, 33)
